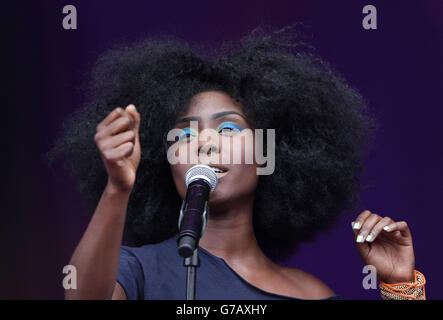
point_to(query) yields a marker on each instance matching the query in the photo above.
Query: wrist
(414, 290)
(408, 277)
(114, 190)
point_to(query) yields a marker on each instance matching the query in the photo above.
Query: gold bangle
(405, 291)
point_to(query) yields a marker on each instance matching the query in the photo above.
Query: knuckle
(388, 219)
(97, 137)
(100, 145)
(364, 214)
(126, 121)
(131, 134)
(375, 215)
(364, 230)
(378, 228)
(107, 155)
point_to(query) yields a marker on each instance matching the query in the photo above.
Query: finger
(118, 125)
(366, 227)
(378, 228)
(135, 115)
(401, 226)
(115, 141)
(113, 155)
(125, 122)
(111, 117)
(356, 225)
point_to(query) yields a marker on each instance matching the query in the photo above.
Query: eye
(187, 133)
(229, 129)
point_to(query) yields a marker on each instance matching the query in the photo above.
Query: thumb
(133, 111)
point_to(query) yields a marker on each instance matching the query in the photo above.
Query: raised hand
(117, 138)
(385, 244)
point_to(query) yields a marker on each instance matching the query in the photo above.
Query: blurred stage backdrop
(397, 68)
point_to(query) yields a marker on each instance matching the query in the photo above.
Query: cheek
(250, 177)
(239, 149)
(184, 152)
(178, 174)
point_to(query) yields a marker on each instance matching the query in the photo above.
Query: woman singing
(117, 147)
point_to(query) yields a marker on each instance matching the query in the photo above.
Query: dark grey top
(156, 272)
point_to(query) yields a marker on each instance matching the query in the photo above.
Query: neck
(229, 235)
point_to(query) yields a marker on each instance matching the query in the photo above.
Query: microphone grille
(202, 171)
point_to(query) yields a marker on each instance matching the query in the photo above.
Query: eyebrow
(214, 116)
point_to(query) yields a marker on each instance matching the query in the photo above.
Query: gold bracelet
(405, 290)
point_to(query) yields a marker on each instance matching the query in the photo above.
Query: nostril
(209, 150)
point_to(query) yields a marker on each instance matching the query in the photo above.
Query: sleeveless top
(156, 272)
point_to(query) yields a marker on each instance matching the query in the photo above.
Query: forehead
(210, 102)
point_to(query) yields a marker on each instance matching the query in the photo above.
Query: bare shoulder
(313, 287)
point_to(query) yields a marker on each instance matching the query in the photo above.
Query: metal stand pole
(191, 263)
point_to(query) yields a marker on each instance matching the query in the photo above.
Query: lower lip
(221, 174)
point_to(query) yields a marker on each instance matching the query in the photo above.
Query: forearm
(97, 255)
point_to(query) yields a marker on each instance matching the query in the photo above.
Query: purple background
(397, 68)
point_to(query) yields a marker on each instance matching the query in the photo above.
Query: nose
(208, 147)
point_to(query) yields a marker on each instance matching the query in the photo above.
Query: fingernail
(386, 228)
(369, 237)
(360, 238)
(356, 226)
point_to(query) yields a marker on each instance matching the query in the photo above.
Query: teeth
(217, 169)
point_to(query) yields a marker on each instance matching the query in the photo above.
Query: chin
(218, 197)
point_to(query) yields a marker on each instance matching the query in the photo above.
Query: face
(221, 116)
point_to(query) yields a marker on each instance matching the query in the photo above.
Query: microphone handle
(191, 225)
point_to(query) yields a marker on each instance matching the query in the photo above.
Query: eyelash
(229, 125)
(225, 125)
(186, 131)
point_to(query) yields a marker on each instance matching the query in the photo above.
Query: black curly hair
(323, 130)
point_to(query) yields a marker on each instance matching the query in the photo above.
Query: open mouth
(219, 171)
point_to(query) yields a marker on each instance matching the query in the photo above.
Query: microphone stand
(192, 261)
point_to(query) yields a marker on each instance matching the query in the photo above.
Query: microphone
(200, 181)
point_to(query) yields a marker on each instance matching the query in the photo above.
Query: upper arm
(130, 276)
(119, 292)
